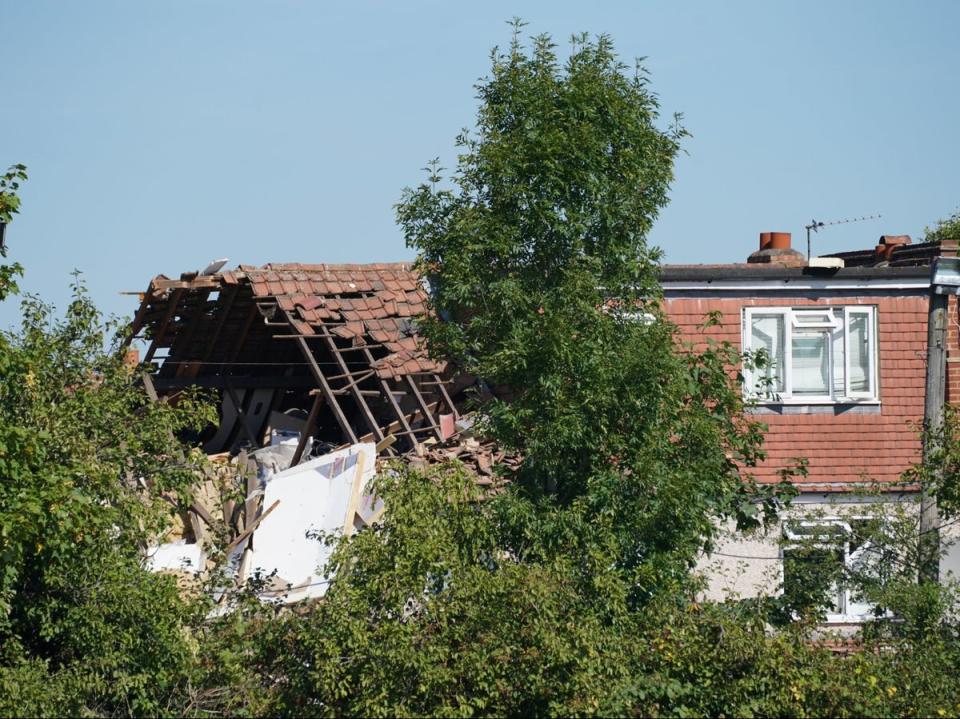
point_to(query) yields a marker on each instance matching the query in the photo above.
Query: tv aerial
(815, 226)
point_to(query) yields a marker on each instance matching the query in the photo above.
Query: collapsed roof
(337, 340)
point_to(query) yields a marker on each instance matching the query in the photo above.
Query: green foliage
(948, 229)
(9, 206)
(428, 616)
(545, 289)
(9, 185)
(86, 462)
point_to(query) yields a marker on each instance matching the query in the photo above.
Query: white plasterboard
(312, 497)
(176, 556)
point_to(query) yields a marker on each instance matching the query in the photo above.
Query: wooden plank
(357, 395)
(215, 335)
(324, 386)
(200, 283)
(389, 394)
(355, 381)
(428, 417)
(199, 534)
(250, 528)
(173, 302)
(201, 512)
(307, 430)
(150, 389)
(137, 324)
(394, 427)
(354, 497)
(386, 442)
(194, 323)
(446, 396)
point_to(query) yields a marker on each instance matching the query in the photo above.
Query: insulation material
(175, 557)
(317, 497)
(277, 457)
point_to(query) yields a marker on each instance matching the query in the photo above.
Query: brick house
(846, 336)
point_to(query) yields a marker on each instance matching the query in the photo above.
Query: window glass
(767, 334)
(815, 572)
(816, 355)
(839, 380)
(811, 363)
(835, 562)
(859, 344)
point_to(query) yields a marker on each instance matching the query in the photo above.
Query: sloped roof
(372, 305)
(272, 337)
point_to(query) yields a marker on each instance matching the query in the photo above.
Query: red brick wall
(847, 447)
(953, 352)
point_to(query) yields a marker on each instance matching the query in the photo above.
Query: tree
(544, 288)
(948, 229)
(87, 465)
(9, 206)
(531, 602)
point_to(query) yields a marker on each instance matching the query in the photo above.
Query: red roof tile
(369, 299)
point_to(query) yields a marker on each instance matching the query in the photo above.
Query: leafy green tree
(947, 229)
(9, 206)
(544, 287)
(633, 446)
(87, 466)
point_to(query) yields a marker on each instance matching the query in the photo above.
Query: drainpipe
(944, 281)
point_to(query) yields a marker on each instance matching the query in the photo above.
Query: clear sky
(162, 135)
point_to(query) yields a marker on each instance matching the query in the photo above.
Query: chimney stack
(775, 249)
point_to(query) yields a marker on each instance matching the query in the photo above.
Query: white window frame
(827, 321)
(793, 540)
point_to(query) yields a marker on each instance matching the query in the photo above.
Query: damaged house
(318, 369)
(309, 358)
(328, 350)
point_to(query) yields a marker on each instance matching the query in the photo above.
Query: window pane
(812, 576)
(814, 318)
(839, 385)
(859, 342)
(767, 333)
(811, 363)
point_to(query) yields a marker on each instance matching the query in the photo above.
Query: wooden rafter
(224, 314)
(428, 418)
(354, 390)
(307, 429)
(171, 309)
(389, 394)
(324, 385)
(192, 326)
(442, 386)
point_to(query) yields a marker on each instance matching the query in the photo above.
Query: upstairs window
(813, 354)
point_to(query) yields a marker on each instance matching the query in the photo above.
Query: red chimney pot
(779, 240)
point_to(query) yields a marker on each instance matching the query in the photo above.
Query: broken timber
(365, 375)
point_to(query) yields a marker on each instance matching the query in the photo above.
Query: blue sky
(161, 135)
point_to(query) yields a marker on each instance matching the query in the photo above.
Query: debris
(249, 530)
(319, 497)
(447, 425)
(282, 339)
(176, 556)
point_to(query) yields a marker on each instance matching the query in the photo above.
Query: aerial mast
(815, 226)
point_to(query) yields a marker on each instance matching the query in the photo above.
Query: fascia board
(818, 285)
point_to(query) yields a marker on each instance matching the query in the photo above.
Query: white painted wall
(742, 567)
